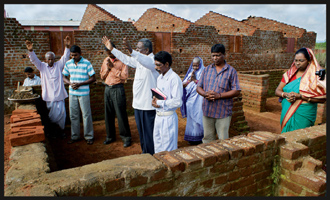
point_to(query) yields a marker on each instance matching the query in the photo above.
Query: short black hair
(218, 48)
(305, 52)
(28, 69)
(105, 48)
(75, 49)
(163, 57)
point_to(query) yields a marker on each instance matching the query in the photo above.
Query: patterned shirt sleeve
(90, 70)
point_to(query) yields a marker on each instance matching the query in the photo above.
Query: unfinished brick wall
(93, 14)
(225, 25)
(269, 24)
(150, 19)
(259, 164)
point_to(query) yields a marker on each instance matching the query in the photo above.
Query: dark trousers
(145, 124)
(115, 104)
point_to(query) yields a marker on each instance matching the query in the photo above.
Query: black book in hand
(158, 94)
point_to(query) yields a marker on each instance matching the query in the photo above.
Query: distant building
(50, 25)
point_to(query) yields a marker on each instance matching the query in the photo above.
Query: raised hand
(29, 45)
(67, 41)
(107, 42)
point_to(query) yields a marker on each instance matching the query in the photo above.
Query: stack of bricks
(254, 91)
(26, 127)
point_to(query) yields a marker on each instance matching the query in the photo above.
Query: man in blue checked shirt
(218, 85)
(81, 75)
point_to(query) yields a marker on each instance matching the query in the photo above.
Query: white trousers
(57, 113)
(166, 133)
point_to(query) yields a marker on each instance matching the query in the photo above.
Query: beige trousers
(214, 127)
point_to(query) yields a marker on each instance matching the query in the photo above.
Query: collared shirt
(52, 84)
(78, 73)
(145, 77)
(171, 85)
(32, 81)
(117, 74)
(223, 81)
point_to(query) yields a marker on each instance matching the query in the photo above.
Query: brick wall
(268, 24)
(259, 164)
(225, 25)
(93, 14)
(301, 161)
(154, 19)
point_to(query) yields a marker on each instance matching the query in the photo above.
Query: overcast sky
(311, 17)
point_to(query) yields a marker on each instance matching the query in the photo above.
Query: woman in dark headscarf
(192, 103)
(300, 91)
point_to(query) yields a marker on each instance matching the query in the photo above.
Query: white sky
(311, 17)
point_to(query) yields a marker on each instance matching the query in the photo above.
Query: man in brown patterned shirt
(114, 74)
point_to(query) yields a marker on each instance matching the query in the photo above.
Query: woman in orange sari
(300, 92)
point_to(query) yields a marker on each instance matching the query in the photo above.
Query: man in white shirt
(52, 86)
(31, 78)
(166, 122)
(144, 79)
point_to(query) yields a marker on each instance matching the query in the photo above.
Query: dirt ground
(79, 153)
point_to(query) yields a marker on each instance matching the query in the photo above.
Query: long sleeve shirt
(145, 77)
(52, 84)
(171, 85)
(117, 74)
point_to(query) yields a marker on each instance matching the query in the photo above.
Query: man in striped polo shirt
(81, 75)
(218, 85)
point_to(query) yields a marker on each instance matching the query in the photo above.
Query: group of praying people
(204, 96)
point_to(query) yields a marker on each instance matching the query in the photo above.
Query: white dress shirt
(145, 77)
(32, 81)
(52, 84)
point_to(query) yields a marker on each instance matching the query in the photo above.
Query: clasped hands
(211, 95)
(292, 97)
(75, 85)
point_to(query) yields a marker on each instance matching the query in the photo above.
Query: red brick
(262, 175)
(221, 179)
(191, 162)
(94, 190)
(20, 111)
(243, 182)
(312, 164)
(235, 152)
(31, 122)
(309, 194)
(246, 171)
(113, 185)
(309, 180)
(18, 139)
(208, 158)
(291, 164)
(279, 140)
(23, 117)
(173, 163)
(247, 161)
(248, 148)
(161, 174)
(159, 187)
(221, 154)
(207, 183)
(291, 186)
(258, 145)
(269, 143)
(227, 187)
(293, 150)
(137, 181)
(316, 138)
